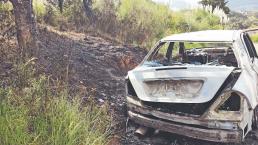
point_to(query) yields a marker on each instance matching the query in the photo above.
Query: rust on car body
(200, 84)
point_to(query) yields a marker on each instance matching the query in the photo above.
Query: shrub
(144, 21)
(106, 18)
(5, 6)
(52, 16)
(39, 7)
(74, 12)
(195, 20)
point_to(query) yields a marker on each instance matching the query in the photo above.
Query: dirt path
(97, 63)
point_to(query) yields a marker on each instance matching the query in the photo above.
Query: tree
(214, 4)
(25, 27)
(204, 3)
(87, 4)
(221, 4)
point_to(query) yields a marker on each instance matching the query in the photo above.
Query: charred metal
(200, 84)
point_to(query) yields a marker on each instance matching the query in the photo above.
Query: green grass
(254, 38)
(37, 116)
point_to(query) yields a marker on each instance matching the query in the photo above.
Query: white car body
(155, 85)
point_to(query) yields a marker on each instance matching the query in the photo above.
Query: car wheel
(255, 119)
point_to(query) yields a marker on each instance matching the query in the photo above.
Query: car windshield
(180, 53)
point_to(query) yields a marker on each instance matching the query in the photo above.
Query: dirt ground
(99, 66)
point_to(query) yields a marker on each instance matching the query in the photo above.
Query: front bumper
(150, 118)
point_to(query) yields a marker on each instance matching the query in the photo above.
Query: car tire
(255, 119)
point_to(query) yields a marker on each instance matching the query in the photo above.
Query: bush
(106, 17)
(74, 12)
(144, 22)
(5, 6)
(52, 16)
(39, 7)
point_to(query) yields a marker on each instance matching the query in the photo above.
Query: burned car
(200, 84)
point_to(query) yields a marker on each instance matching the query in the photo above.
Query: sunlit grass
(36, 116)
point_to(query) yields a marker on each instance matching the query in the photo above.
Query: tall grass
(37, 114)
(144, 21)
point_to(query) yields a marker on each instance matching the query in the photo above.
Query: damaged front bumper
(194, 127)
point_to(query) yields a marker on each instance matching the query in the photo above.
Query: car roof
(205, 36)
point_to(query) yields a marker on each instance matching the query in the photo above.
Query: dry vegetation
(73, 92)
(133, 22)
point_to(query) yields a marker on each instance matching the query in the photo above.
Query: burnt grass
(98, 66)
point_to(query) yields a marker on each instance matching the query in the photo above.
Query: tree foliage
(220, 4)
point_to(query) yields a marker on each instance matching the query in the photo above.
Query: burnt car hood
(178, 84)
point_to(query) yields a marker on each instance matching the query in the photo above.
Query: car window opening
(180, 53)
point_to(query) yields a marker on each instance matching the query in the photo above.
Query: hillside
(243, 5)
(235, 5)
